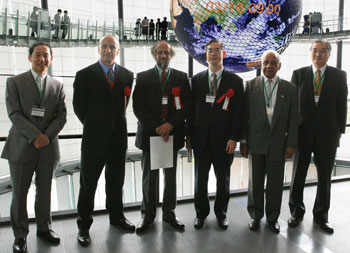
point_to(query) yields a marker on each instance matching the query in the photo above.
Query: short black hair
(214, 41)
(59, 10)
(32, 47)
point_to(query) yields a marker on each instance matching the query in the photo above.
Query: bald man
(101, 94)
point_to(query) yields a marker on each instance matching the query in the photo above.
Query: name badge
(317, 98)
(164, 100)
(269, 111)
(38, 112)
(210, 99)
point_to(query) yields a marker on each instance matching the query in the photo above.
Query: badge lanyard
(40, 92)
(217, 81)
(166, 79)
(268, 97)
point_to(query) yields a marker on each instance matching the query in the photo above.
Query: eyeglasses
(214, 50)
(322, 50)
(160, 52)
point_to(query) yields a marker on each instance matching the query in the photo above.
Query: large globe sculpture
(246, 27)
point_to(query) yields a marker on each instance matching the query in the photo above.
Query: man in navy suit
(101, 94)
(322, 119)
(214, 127)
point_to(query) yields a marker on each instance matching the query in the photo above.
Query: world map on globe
(247, 28)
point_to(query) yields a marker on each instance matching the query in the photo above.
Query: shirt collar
(274, 79)
(160, 70)
(218, 73)
(105, 67)
(314, 69)
(36, 74)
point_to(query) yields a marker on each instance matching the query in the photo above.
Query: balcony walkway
(237, 238)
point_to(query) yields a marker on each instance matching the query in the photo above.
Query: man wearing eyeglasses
(214, 127)
(160, 101)
(322, 119)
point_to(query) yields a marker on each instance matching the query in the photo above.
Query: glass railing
(18, 28)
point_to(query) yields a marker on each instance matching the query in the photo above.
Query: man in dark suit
(214, 127)
(36, 108)
(101, 94)
(322, 119)
(161, 101)
(270, 134)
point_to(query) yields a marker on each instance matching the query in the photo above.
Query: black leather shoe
(83, 237)
(49, 236)
(223, 223)
(274, 226)
(294, 221)
(142, 226)
(198, 223)
(175, 223)
(20, 245)
(124, 224)
(325, 226)
(254, 225)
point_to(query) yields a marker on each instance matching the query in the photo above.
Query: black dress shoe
(142, 226)
(83, 237)
(223, 223)
(294, 221)
(49, 236)
(274, 226)
(254, 225)
(198, 223)
(325, 226)
(175, 223)
(124, 224)
(20, 245)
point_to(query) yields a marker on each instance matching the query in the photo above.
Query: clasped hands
(41, 141)
(164, 130)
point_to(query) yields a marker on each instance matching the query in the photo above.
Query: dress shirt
(36, 74)
(160, 71)
(218, 76)
(106, 68)
(314, 69)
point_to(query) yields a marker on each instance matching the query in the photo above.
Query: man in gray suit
(36, 108)
(269, 136)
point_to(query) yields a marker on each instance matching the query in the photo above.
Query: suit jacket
(147, 104)
(21, 96)
(101, 108)
(321, 124)
(211, 125)
(283, 132)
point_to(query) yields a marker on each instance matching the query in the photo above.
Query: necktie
(163, 84)
(110, 76)
(163, 78)
(214, 82)
(39, 82)
(317, 85)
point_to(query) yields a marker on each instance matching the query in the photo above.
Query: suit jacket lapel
(280, 98)
(260, 98)
(325, 85)
(31, 87)
(101, 78)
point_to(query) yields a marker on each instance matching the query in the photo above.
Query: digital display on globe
(247, 28)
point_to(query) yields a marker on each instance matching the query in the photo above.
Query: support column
(341, 15)
(339, 54)
(44, 5)
(121, 31)
(190, 66)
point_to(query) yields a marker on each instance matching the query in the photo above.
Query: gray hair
(112, 35)
(328, 45)
(277, 55)
(155, 46)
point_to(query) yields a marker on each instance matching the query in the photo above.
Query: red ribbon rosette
(227, 96)
(177, 100)
(127, 93)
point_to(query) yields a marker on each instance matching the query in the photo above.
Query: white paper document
(161, 152)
